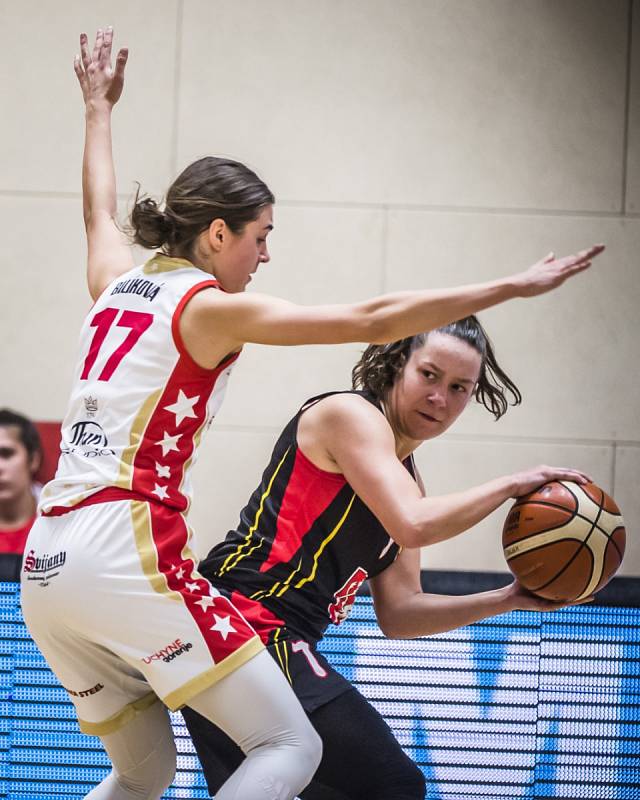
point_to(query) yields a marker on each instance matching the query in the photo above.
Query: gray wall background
(414, 143)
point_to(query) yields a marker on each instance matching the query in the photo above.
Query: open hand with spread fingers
(529, 480)
(551, 272)
(99, 81)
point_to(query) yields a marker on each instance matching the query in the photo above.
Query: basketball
(565, 541)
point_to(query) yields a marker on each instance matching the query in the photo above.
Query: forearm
(395, 316)
(98, 173)
(426, 614)
(435, 519)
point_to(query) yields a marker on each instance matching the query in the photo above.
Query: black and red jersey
(304, 545)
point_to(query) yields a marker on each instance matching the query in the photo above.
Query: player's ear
(217, 234)
(34, 463)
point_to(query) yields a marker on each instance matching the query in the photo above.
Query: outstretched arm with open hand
(108, 252)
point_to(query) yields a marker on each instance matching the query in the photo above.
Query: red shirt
(13, 541)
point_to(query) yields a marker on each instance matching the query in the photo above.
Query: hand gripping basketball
(564, 541)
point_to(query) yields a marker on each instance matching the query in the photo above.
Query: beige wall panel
(319, 255)
(44, 299)
(628, 499)
(449, 465)
(479, 104)
(572, 352)
(229, 468)
(41, 139)
(633, 152)
(324, 255)
(269, 384)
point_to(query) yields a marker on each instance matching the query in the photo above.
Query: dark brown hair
(27, 431)
(211, 188)
(381, 364)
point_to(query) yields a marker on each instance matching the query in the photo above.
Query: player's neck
(405, 445)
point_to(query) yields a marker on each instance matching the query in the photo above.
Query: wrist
(507, 599)
(98, 107)
(514, 285)
(507, 487)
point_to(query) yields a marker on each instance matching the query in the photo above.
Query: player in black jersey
(340, 502)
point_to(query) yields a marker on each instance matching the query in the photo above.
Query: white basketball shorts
(112, 597)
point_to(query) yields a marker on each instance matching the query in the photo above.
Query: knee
(306, 753)
(150, 778)
(312, 750)
(411, 783)
(416, 783)
(403, 783)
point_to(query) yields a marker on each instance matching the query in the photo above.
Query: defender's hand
(552, 272)
(98, 80)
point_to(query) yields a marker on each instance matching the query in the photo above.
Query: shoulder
(338, 425)
(345, 415)
(348, 407)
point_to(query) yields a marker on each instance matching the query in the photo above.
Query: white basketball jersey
(139, 403)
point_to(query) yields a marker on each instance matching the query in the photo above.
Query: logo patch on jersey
(45, 567)
(140, 286)
(168, 653)
(89, 440)
(345, 597)
(91, 406)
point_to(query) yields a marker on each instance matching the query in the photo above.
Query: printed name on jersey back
(140, 286)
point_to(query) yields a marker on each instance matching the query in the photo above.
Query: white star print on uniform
(223, 626)
(192, 587)
(162, 471)
(183, 407)
(205, 603)
(160, 491)
(169, 443)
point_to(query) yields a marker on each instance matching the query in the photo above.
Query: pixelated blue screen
(524, 705)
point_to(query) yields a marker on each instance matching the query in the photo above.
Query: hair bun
(151, 227)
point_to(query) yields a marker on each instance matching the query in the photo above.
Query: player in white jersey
(111, 592)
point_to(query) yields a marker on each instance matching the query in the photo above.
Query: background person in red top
(20, 457)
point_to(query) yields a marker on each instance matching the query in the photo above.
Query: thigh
(362, 759)
(143, 756)
(255, 705)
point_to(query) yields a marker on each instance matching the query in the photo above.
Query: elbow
(373, 323)
(414, 533)
(390, 627)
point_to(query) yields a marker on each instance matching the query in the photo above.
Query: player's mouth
(428, 417)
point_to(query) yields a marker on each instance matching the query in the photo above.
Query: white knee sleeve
(143, 755)
(257, 708)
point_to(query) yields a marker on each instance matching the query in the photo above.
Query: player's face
(243, 253)
(434, 387)
(15, 466)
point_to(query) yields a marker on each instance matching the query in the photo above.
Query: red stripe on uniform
(222, 626)
(168, 440)
(309, 493)
(261, 619)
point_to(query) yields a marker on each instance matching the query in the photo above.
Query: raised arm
(231, 320)
(356, 437)
(404, 611)
(108, 252)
